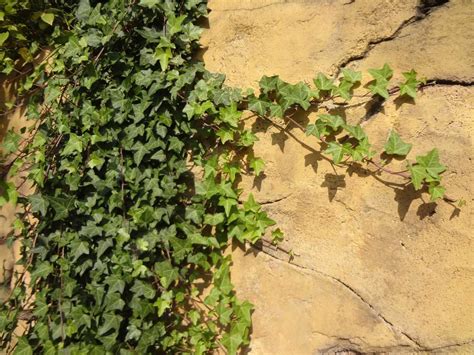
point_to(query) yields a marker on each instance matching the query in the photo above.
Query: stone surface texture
(375, 269)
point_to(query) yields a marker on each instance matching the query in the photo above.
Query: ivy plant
(135, 151)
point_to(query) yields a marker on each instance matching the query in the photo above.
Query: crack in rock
(365, 348)
(423, 11)
(448, 82)
(254, 8)
(269, 201)
(389, 324)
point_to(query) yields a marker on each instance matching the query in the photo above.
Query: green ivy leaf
(42, 269)
(141, 288)
(436, 191)
(323, 83)
(396, 146)
(38, 204)
(3, 37)
(383, 74)
(408, 89)
(151, 4)
(23, 347)
(333, 121)
(355, 131)
(163, 56)
(257, 165)
(167, 273)
(418, 175)
(214, 219)
(268, 83)
(10, 142)
(337, 151)
(258, 106)
(380, 88)
(247, 139)
(73, 145)
(352, 76)
(48, 18)
(431, 163)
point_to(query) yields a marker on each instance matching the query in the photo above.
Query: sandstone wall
(374, 268)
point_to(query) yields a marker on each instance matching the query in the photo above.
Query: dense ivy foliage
(136, 151)
(136, 202)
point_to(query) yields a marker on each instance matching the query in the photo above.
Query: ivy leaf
(257, 165)
(277, 236)
(167, 273)
(225, 135)
(3, 37)
(431, 163)
(383, 74)
(418, 174)
(149, 3)
(8, 193)
(111, 321)
(344, 90)
(214, 219)
(227, 203)
(396, 146)
(294, 94)
(258, 106)
(74, 144)
(323, 83)
(232, 341)
(39, 204)
(174, 24)
(312, 130)
(48, 18)
(268, 83)
(436, 191)
(43, 269)
(380, 88)
(247, 139)
(10, 142)
(230, 115)
(140, 152)
(276, 111)
(355, 131)
(408, 89)
(141, 288)
(163, 56)
(333, 121)
(337, 151)
(61, 206)
(351, 75)
(23, 347)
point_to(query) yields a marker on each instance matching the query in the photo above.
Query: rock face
(375, 269)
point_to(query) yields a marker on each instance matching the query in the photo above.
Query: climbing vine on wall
(136, 151)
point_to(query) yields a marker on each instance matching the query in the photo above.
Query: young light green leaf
(431, 163)
(418, 175)
(337, 151)
(436, 191)
(48, 18)
(396, 146)
(257, 165)
(3, 37)
(323, 83)
(408, 89)
(383, 74)
(380, 88)
(351, 75)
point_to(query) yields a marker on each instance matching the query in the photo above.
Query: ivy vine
(136, 151)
